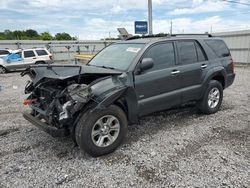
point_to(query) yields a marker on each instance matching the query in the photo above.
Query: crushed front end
(57, 96)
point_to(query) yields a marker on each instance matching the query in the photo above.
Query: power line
(230, 1)
(233, 14)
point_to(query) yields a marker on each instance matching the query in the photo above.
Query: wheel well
(123, 105)
(3, 67)
(220, 79)
(41, 62)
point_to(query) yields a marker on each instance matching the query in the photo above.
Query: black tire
(85, 126)
(40, 62)
(3, 70)
(204, 106)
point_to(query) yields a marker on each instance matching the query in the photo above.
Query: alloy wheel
(213, 97)
(105, 131)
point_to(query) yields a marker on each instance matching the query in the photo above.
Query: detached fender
(127, 97)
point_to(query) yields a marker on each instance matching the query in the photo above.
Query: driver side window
(162, 54)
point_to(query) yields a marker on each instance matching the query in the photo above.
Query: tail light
(29, 101)
(50, 56)
(232, 64)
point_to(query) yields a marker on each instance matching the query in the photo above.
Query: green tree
(8, 35)
(63, 36)
(32, 34)
(18, 34)
(46, 36)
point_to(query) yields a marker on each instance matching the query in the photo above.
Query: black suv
(127, 80)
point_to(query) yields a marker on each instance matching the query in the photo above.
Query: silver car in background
(21, 59)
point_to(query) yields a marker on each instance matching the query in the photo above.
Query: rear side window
(219, 47)
(162, 54)
(29, 53)
(4, 52)
(187, 52)
(41, 52)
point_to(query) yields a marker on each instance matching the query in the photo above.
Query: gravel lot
(175, 148)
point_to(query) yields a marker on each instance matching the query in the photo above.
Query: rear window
(4, 52)
(187, 52)
(219, 47)
(41, 52)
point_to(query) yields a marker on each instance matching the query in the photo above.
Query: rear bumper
(53, 131)
(230, 79)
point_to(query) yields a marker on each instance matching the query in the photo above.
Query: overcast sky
(95, 19)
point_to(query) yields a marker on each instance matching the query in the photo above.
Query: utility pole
(171, 28)
(150, 24)
(211, 29)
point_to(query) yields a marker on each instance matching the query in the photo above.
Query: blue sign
(141, 27)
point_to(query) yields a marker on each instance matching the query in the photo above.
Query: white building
(238, 43)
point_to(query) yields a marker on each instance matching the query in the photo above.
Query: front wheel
(212, 98)
(99, 133)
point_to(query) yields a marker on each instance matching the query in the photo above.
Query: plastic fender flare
(212, 73)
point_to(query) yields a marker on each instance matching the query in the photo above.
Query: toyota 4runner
(125, 81)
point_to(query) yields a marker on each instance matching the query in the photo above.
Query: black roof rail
(148, 36)
(167, 35)
(190, 34)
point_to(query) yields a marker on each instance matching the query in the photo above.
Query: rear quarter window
(219, 47)
(41, 52)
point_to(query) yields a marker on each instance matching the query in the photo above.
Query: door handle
(203, 66)
(174, 72)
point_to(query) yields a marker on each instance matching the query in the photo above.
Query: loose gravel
(174, 148)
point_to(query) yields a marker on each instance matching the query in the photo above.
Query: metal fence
(65, 51)
(62, 51)
(239, 45)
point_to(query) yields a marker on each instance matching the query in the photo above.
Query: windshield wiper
(102, 66)
(107, 67)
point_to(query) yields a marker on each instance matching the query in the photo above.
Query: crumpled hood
(62, 72)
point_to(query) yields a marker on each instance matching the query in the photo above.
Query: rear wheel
(40, 62)
(99, 133)
(212, 98)
(2, 70)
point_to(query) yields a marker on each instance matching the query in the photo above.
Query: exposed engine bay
(56, 99)
(56, 105)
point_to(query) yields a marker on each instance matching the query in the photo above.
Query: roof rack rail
(192, 34)
(167, 35)
(148, 36)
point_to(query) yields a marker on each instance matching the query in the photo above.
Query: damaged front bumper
(52, 130)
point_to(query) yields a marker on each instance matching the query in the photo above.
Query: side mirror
(146, 63)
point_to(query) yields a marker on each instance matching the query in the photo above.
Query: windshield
(117, 56)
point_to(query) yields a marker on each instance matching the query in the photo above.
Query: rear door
(158, 87)
(193, 65)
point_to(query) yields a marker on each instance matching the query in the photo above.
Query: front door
(29, 57)
(158, 87)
